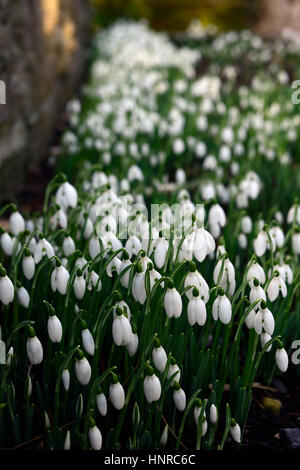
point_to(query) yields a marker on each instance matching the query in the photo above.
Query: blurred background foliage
(175, 15)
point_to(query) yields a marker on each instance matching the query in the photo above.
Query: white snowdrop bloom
(88, 228)
(262, 243)
(235, 431)
(6, 288)
(296, 243)
(28, 265)
(79, 286)
(67, 443)
(59, 279)
(95, 437)
(222, 309)
(23, 297)
(200, 149)
(68, 246)
(278, 236)
(135, 174)
(256, 271)
(43, 247)
(196, 310)
(7, 243)
(152, 386)
(213, 414)
(215, 230)
(133, 246)
(246, 224)
(59, 219)
(126, 276)
(224, 153)
(138, 287)
(9, 356)
(113, 266)
(264, 320)
(116, 394)
(179, 397)
(173, 302)
(257, 292)
(195, 279)
(160, 253)
(101, 403)
(294, 214)
(242, 239)
(66, 196)
(94, 247)
(94, 281)
(180, 176)
(87, 340)
(203, 244)
(123, 305)
(224, 275)
(282, 359)
(34, 348)
(164, 437)
(66, 379)
(121, 329)
(133, 344)
(83, 369)
(264, 339)
(250, 319)
(285, 272)
(16, 223)
(174, 370)
(159, 356)
(216, 216)
(276, 286)
(178, 146)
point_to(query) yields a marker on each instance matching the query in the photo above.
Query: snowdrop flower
(216, 216)
(264, 339)
(101, 403)
(196, 309)
(173, 371)
(235, 431)
(172, 302)
(28, 265)
(250, 319)
(124, 265)
(246, 224)
(276, 286)
(152, 386)
(133, 344)
(116, 393)
(135, 174)
(9, 356)
(222, 308)
(95, 436)
(160, 253)
(66, 379)
(59, 279)
(296, 243)
(43, 247)
(256, 271)
(242, 239)
(66, 196)
(7, 242)
(256, 292)
(285, 272)
(94, 281)
(164, 437)
(94, 247)
(138, 285)
(213, 414)
(16, 223)
(264, 320)
(195, 279)
(159, 356)
(87, 339)
(224, 275)
(133, 246)
(278, 236)
(79, 285)
(34, 347)
(179, 397)
(282, 359)
(68, 246)
(83, 370)
(262, 243)
(294, 214)
(121, 329)
(67, 443)
(6, 288)
(180, 176)
(23, 296)
(203, 244)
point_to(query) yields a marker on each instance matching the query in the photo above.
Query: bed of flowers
(162, 277)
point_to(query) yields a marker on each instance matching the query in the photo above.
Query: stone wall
(42, 57)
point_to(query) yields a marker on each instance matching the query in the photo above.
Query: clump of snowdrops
(128, 325)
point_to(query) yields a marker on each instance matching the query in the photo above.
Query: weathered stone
(290, 437)
(42, 58)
